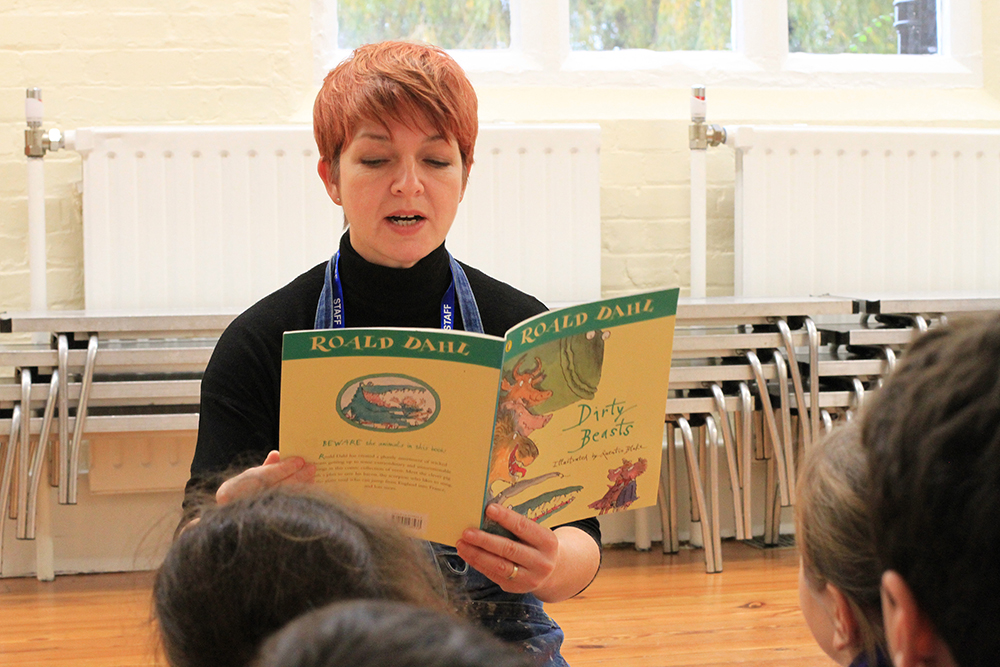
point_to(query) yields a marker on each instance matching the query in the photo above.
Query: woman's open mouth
(405, 220)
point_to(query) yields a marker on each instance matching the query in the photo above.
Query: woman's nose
(408, 182)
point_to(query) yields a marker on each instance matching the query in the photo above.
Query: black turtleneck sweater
(240, 392)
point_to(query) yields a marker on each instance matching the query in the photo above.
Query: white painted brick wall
(645, 208)
(149, 62)
(113, 62)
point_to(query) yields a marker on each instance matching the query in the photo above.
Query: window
(472, 24)
(734, 43)
(667, 25)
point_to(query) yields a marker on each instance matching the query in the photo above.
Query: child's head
(379, 633)
(839, 572)
(932, 435)
(249, 567)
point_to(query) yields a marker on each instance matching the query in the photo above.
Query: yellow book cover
(560, 420)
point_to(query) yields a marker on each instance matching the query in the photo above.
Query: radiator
(217, 217)
(848, 210)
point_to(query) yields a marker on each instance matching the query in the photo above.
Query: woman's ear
(332, 189)
(845, 626)
(911, 637)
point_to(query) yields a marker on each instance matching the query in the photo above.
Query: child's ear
(911, 636)
(845, 626)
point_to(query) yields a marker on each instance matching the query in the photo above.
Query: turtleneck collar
(376, 295)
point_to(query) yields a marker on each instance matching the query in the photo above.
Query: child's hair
(932, 434)
(245, 569)
(833, 530)
(401, 81)
(379, 633)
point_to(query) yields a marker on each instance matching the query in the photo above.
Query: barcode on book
(408, 520)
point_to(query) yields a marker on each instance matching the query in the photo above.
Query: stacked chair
(729, 355)
(91, 374)
(753, 383)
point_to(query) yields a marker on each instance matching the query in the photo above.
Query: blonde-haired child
(839, 572)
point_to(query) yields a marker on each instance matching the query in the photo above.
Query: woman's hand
(273, 472)
(554, 565)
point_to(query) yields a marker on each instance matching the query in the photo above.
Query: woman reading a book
(396, 125)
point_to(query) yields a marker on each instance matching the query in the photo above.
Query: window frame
(759, 58)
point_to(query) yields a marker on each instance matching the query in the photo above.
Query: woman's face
(400, 188)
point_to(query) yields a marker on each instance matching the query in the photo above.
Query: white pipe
(36, 233)
(699, 217)
(699, 223)
(34, 114)
(643, 539)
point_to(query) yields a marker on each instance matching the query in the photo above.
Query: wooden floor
(644, 609)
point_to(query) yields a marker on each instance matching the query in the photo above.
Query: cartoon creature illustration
(547, 504)
(389, 406)
(623, 490)
(521, 395)
(511, 455)
(570, 370)
(565, 371)
(538, 508)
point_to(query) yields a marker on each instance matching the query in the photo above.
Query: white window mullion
(760, 32)
(958, 33)
(540, 30)
(324, 37)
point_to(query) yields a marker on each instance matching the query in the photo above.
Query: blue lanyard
(330, 308)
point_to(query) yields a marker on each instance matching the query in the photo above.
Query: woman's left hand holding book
(275, 471)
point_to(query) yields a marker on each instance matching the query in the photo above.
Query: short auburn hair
(404, 81)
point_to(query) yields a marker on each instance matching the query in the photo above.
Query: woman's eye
(373, 162)
(439, 164)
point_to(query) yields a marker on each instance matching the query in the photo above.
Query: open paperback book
(561, 420)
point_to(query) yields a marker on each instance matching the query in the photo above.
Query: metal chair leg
(890, 365)
(7, 474)
(814, 341)
(787, 443)
(61, 455)
(675, 542)
(697, 516)
(745, 444)
(73, 467)
(698, 492)
(667, 501)
(859, 398)
(768, 410)
(35, 471)
(712, 436)
(796, 375)
(827, 422)
(731, 459)
(771, 503)
(24, 453)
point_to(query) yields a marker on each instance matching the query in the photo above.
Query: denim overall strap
(331, 299)
(466, 299)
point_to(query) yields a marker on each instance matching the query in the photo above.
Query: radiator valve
(37, 142)
(700, 134)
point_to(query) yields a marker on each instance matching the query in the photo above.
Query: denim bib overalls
(513, 617)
